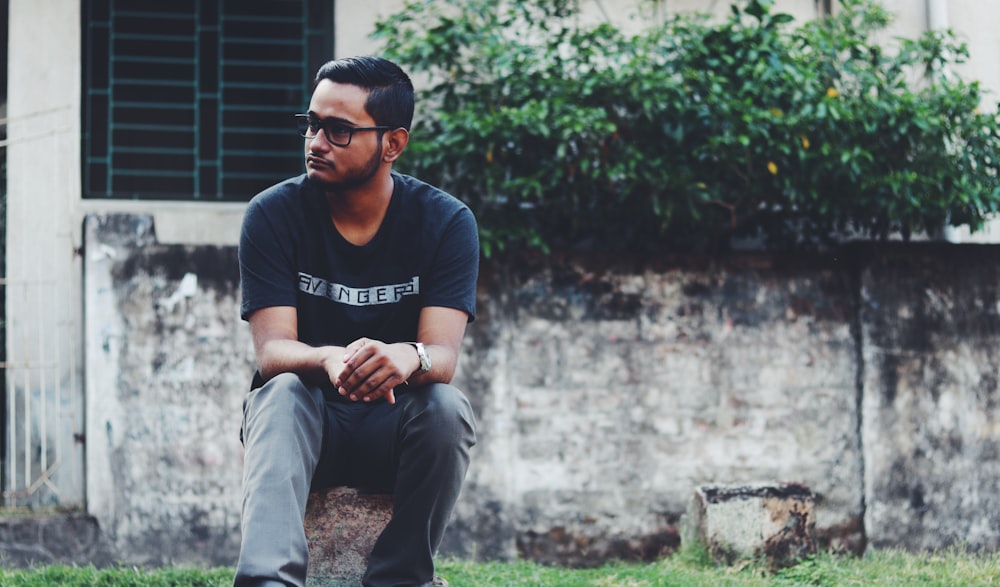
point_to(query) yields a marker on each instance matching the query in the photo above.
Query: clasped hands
(371, 369)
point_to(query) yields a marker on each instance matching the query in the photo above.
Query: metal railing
(43, 402)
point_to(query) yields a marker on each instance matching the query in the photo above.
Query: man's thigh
(365, 440)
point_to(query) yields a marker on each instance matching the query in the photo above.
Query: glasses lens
(338, 134)
(307, 128)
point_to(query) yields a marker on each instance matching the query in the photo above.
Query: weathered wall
(607, 388)
(931, 432)
(610, 388)
(168, 361)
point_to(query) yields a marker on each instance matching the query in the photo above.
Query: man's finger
(374, 387)
(354, 347)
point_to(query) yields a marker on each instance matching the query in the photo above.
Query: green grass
(64, 576)
(950, 568)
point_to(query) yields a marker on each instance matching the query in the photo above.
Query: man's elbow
(448, 371)
(267, 365)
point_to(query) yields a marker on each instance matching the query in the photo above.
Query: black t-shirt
(425, 253)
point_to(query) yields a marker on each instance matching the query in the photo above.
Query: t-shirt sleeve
(267, 273)
(454, 270)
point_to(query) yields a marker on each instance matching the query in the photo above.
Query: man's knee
(281, 388)
(284, 381)
(284, 396)
(442, 410)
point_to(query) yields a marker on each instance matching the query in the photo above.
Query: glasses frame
(324, 125)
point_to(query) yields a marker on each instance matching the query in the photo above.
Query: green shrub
(692, 132)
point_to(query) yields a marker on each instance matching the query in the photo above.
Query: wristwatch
(425, 359)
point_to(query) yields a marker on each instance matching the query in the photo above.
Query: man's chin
(321, 182)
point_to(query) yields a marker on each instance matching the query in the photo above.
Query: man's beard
(355, 180)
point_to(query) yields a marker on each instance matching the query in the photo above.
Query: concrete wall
(168, 361)
(607, 388)
(931, 348)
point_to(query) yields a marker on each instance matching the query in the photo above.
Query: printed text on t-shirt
(358, 296)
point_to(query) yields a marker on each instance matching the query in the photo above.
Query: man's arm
(367, 369)
(372, 368)
(275, 333)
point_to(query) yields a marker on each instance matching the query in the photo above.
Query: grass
(64, 576)
(950, 568)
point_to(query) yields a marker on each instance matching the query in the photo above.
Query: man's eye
(338, 129)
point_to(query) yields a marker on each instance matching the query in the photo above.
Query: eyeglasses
(337, 133)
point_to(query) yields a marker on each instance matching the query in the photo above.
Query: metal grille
(192, 99)
(43, 464)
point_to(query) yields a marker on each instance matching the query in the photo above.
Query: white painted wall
(975, 22)
(355, 20)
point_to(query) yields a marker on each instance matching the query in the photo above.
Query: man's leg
(426, 436)
(282, 439)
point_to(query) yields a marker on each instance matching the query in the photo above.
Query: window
(193, 99)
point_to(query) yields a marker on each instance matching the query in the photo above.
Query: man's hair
(390, 91)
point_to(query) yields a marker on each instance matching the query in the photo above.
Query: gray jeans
(299, 437)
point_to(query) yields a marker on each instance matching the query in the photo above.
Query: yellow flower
(832, 93)
(777, 113)
(489, 155)
(805, 143)
(772, 167)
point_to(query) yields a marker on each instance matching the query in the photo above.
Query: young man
(358, 283)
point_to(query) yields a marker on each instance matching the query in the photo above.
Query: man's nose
(319, 140)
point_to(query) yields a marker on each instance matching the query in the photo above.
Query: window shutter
(192, 99)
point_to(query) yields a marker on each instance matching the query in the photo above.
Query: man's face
(340, 168)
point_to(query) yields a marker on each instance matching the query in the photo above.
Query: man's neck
(358, 213)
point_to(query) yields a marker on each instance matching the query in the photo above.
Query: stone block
(771, 520)
(342, 525)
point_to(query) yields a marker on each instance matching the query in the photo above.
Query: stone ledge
(342, 525)
(45, 539)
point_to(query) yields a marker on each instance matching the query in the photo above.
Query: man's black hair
(390, 91)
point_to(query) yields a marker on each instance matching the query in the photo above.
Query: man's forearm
(291, 356)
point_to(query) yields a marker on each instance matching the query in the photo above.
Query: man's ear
(396, 141)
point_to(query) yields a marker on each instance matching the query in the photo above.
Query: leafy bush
(692, 132)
